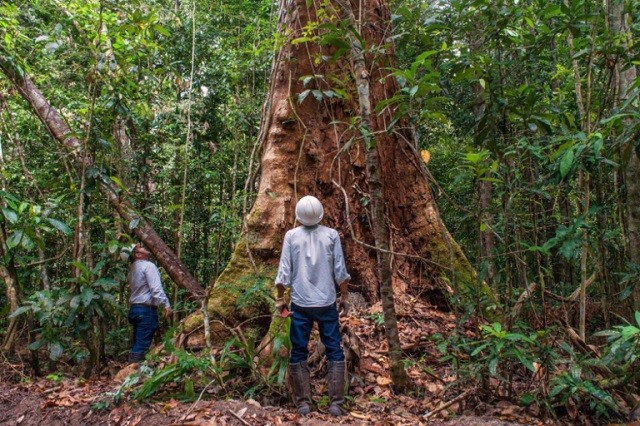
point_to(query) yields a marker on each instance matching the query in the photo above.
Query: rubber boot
(301, 384)
(135, 357)
(335, 382)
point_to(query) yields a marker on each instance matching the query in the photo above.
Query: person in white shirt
(146, 296)
(311, 265)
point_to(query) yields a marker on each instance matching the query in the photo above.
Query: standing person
(311, 264)
(146, 295)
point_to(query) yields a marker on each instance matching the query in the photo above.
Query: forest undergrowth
(462, 373)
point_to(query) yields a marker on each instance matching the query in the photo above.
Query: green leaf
(19, 311)
(161, 30)
(566, 162)
(580, 53)
(526, 361)
(303, 95)
(106, 283)
(87, 296)
(60, 226)
(479, 349)
(75, 302)
(300, 40)
(306, 79)
(118, 182)
(569, 248)
(551, 11)
(527, 399)
(82, 267)
(493, 366)
(19, 238)
(10, 215)
(34, 346)
(55, 350)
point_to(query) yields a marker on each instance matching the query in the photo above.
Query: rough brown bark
(314, 141)
(59, 130)
(9, 276)
(315, 147)
(627, 74)
(378, 220)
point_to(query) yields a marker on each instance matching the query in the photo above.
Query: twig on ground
(445, 405)
(239, 418)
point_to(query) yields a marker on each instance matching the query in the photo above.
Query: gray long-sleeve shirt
(312, 263)
(146, 287)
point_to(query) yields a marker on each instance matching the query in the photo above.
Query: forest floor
(69, 403)
(62, 399)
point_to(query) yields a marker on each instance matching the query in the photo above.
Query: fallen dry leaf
(359, 415)
(383, 381)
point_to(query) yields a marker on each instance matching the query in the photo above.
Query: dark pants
(144, 320)
(301, 323)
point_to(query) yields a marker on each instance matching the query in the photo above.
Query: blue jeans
(301, 323)
(144, 320)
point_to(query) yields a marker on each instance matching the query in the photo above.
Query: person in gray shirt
(311, 265)
(146, 296)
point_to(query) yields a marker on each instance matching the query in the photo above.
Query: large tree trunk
(311, 147)
(59, 130)
(627, 75)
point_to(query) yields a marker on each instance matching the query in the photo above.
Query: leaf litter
(372, 399)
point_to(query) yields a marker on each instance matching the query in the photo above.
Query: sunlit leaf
(60, 226)
(566, 162)
(10, 215)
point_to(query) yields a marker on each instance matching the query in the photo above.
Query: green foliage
(186, 364)
(258, 291)
(574, 385)
(120, 75)
(377, 318)
(583, 382)
(507, 349)
(234, 370)
(509, 357)
(622, 353)
(498, 353)
(27, 224)
(64, 313)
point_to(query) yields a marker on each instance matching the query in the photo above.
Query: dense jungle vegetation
(525, 112)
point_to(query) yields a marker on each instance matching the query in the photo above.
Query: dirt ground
(65, 400)
(67, 404)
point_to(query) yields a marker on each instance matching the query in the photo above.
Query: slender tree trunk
(583, 184)
(8, 272)
(9, 275)
(378, 214)
(114, 195)
(484, 188)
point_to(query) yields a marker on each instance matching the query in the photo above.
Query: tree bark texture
(627, 75)
(9, 276)
(59, 130)
(313, 145)
(380, 230)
